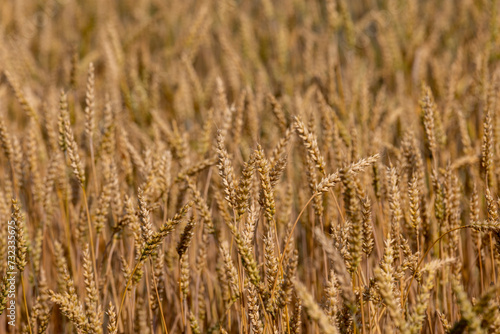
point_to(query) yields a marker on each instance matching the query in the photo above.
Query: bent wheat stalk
(487, 226)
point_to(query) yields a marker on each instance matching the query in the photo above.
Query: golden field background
(250, 166)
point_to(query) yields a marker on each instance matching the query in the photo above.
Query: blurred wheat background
(242, 166)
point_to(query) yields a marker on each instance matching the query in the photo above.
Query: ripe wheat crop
(251, 167)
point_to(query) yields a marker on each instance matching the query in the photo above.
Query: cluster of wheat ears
(250, 166)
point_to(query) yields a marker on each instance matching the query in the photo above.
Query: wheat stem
(25, 303)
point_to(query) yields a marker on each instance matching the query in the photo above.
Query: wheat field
(244, 166)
